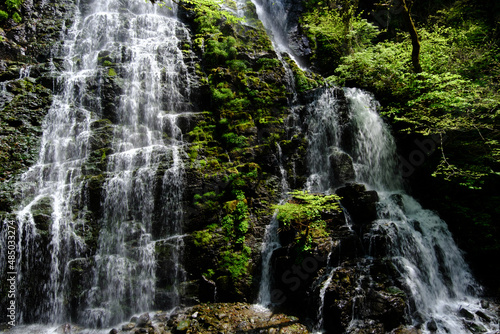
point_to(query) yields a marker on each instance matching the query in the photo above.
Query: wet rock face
(352, 295)
(34, 38)
(333, 279)
(214, 318)
(359, 202)
(26, 86)
(342, 167)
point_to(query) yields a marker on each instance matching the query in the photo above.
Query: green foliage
(233, 140)
(340, 29)
(235, 225)
(13, 10)
(458, 90)
(16, 17)
(13, 5)
(304, 208)
(336, 32)
(220, 49)
(3, 15)
(208, 202)
(304, 213)
(222, 95)
(202, 238)
(236, 262)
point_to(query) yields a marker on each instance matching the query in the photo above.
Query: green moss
(305, 80)
(3, 15)
(112, 72)
(16, 17)
(237, 65)
(304, 214)
(268, 64)
(13, 11)
(305, 208)
(222, 95)
(202, 238)
(193, 152)
(246, 83)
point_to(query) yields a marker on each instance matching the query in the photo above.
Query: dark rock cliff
(241, 98)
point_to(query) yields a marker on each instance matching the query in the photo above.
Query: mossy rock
(42, 214)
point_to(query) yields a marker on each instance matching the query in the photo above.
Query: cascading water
(54, 182)
(274, 15)
(324, 140)
(437, 278)
(270, 243)
(132, 47)
(374, 149)
(125, 271)
(435, 273)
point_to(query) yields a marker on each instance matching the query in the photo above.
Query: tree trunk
(415, 53)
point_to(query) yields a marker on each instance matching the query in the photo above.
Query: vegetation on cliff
(233, 177)
(11, 9)
(454, 100)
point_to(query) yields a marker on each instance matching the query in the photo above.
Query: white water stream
(438, 280)
(136, 45)
(124, 272)
(270, 243)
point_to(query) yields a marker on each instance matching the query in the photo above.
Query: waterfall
(274, 15)
(113, 122)
(374, 149)
(271, 242)
(50, 189)
(323, 136)
(438, 280)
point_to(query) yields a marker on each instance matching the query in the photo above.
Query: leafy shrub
(458, 90)
(336, 33)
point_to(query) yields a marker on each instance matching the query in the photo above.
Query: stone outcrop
(357, 286)
(241, 142)
(206, 319)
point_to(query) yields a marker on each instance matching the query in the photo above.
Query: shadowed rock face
(239, 139)
(26, 101)
(26, 85)
(334, 279)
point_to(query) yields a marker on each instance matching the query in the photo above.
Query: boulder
(359, 202)
(342, 167)
(143, 320)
